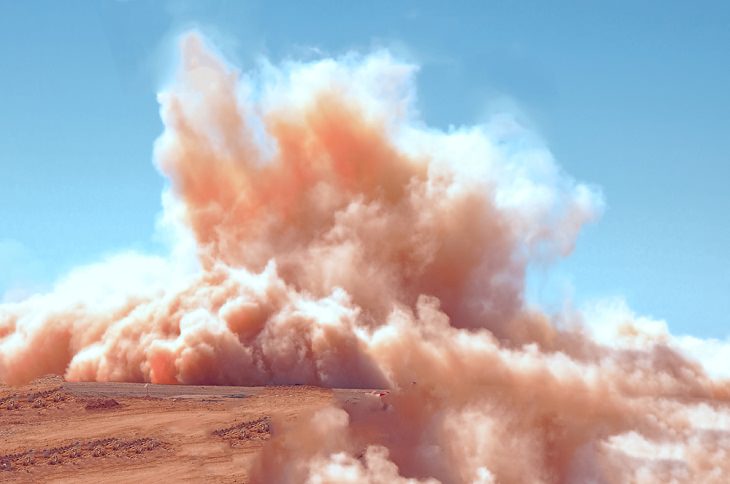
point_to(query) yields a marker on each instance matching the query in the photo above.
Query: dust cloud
(320, 233)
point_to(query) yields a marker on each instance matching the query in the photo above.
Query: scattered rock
(259, 429)
(11, 405)
(52, 398)
(111, 447)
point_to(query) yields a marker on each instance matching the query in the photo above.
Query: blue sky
(632, 96)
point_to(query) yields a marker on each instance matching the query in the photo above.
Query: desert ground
(57, 431)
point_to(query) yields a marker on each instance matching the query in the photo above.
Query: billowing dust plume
(321, 233)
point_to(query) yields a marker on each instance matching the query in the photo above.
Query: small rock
(12, 405)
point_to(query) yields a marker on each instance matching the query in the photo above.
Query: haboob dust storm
(320, 233)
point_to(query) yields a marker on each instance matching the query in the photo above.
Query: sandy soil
(55, 431)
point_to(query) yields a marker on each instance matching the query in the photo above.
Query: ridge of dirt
(257, 429)
(101, 404)
(79, 450)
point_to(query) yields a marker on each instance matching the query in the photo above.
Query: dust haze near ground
(321, 234)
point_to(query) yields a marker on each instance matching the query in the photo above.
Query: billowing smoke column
(322, 234)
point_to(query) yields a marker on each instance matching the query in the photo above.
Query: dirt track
(54, 431)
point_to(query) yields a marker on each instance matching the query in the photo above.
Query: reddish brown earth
(55, 431)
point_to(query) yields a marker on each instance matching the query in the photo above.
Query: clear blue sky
(633, 96)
